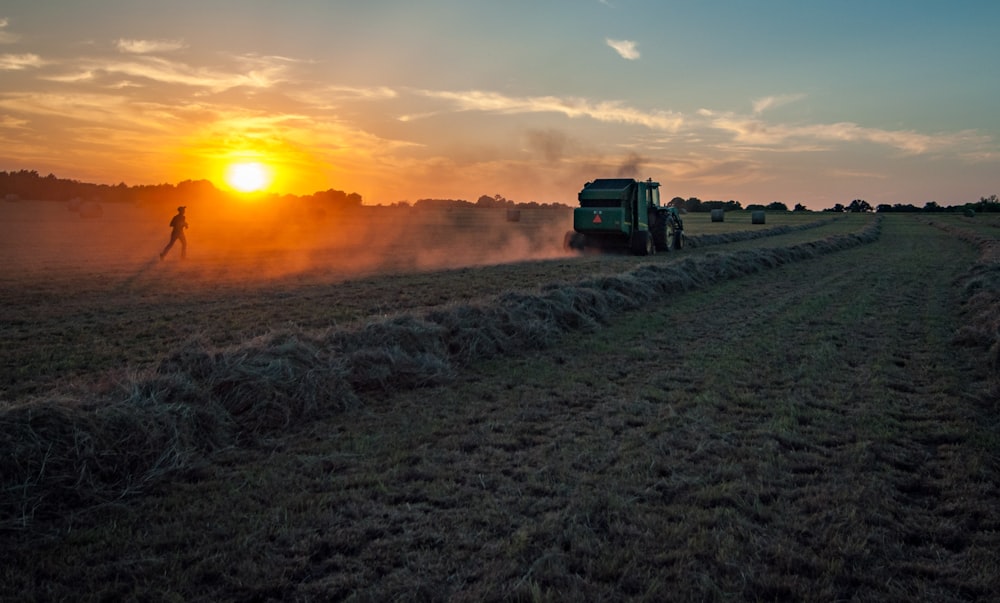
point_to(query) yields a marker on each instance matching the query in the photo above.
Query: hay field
(804, 416)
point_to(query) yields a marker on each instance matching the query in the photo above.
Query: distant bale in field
(969, 212)
(91, 210)
(757, 217)
(718, 215)
(74, 204)
(513, 215)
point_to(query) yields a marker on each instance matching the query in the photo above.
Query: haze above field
(813, 103)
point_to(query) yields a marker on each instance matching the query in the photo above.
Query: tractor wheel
(661, 241)
(642, 243)
(574, 241)
(678, 240)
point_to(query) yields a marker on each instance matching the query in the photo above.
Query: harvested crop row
(747, 235)
(981, 284)
(127, 315)
(69, 452)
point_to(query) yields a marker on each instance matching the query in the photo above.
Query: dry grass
(739, 232)
(202, 398)
(595, 438)
(981, 285)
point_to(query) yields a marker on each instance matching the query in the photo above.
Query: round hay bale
(718, 215)
(757, 217)
(513, 215)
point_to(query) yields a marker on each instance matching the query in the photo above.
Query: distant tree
(777, 206)
(723, 205)
(197, 190)
(755, 207)
(336, 199)
(441, 203)
(693, 204)
(859, 206)
(932, 207)
(799, 207)
(494, 201)
(837, 208)
(677, 203)
(988, 204)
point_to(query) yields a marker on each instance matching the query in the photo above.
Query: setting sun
(248, 177)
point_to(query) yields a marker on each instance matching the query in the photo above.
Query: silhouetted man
(178, 224)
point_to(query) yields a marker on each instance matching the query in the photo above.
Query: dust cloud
(631, 166)
(249, 242)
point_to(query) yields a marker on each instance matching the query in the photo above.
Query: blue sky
(801, 102)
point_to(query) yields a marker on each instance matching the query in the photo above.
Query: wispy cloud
(746, 132)
(83, 108)
(771, 102)
(16, 62)
(71, 78)
(328, 98)
(626, 48)
(857, 174)
(261, 74)
(751, 131)
(5, 36)
(605, 111)
(359, 92)
(6, 121)
(148, 46)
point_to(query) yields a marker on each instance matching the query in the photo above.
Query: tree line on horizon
(985, 205)
(29, 184)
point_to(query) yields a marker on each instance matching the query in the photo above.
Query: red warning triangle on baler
(597, 218)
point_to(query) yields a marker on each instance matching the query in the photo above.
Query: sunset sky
(799, 101)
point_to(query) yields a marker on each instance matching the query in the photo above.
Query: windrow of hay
(746, 235)
(981, 311)
(67, 453)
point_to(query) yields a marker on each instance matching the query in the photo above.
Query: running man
(178, 224)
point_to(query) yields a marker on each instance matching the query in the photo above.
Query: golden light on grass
(249, 176)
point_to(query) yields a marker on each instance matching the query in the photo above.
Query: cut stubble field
(804, 430)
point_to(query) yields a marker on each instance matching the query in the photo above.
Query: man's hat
(182, 208)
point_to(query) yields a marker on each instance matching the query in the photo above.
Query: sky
(798, 101)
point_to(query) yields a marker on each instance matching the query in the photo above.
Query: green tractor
(624, 214)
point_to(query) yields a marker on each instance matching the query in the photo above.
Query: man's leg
(167, 248)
